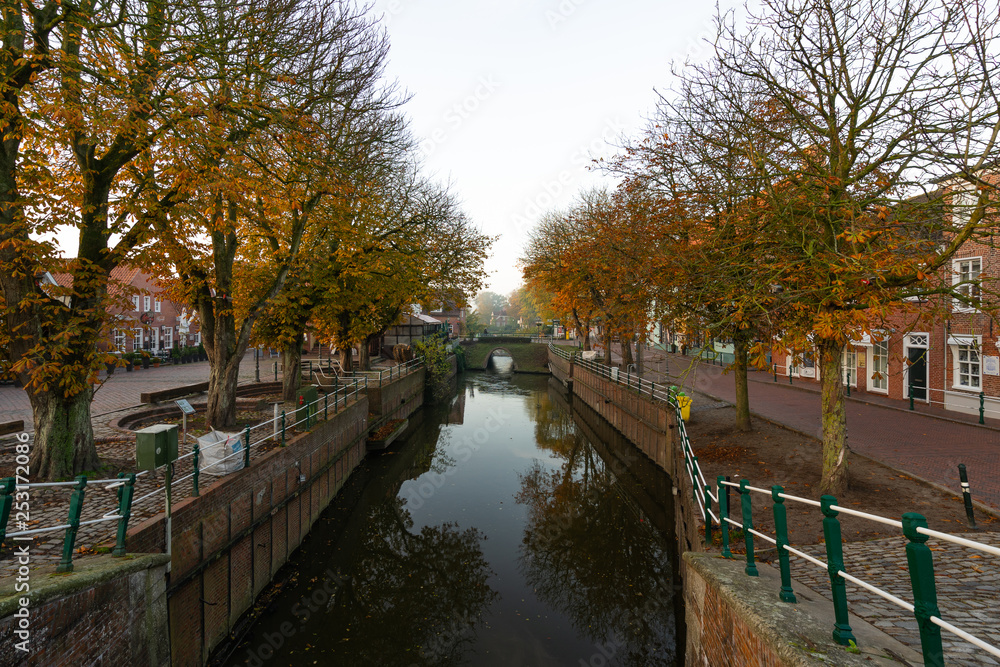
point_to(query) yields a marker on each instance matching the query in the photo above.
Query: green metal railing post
(842, 633)
(708, 516)
(911, 396)
(125, 493)
(745, 505)
(282, 428)
(276, 371)
(246, 448)
(789, 375)
(775, 373)
(921, 564)
(723, 492)
(196, 455)
(982, 408)
(6, 501)
(694, 475)
(75, 509)
(335, 391)
(781, 530)
(326, 407)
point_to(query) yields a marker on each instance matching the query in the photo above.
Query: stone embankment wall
(400, 398)
(108, 611)
(561, 369)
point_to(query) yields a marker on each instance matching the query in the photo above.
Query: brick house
(944, 361)
(153, 323)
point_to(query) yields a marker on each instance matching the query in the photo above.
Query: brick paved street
(922, 444)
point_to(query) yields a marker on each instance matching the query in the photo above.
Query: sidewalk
(923, 442)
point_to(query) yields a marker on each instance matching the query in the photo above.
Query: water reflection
(588, 552)
(431, 563)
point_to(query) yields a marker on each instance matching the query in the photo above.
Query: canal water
(510, 527)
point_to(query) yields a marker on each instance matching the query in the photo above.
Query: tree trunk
(64, 435)
(346, 355)
(364, 353)
(291, 374)
(220, 412)
(638, 358)
(627, 359)
(740, 344)
(607, 347)
(586, 345)
(835, 448)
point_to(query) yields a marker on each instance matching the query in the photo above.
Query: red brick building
(153, 323)
(946, 361)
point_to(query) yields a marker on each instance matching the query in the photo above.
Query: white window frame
(136, 300)
(137, 339)
(168, 338)
(873, 382)
(119, 337)
(968, 289)
(156, 305)
(145, 304)
(197, 337)
(959, 344)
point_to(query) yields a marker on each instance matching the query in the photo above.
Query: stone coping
(88, 572)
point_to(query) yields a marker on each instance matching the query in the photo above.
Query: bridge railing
(920, 562)
(643, 386)
(15, 491)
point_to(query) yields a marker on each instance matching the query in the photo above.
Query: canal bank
(504, 530)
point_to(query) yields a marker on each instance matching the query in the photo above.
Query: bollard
(276, 371)
(775, 373)
(921, 564)
(282, 428)
(246, 448)
(982, 407)
(963, 476)
(842, 633)
(745, 505)
(75, 509)
(125, 493)
(911, 396)
(197, 471)
(781, 530)
(724, 514)
(848, 383)
(6, 501)
(708, 516)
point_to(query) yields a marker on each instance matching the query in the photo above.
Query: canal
(509, 528)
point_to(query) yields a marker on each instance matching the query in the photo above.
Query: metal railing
(914, 526)
(304, 417)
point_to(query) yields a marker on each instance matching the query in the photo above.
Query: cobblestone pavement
(49, 506)
(968, 588)
(925, 445)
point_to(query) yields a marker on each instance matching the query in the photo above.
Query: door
(917, 372)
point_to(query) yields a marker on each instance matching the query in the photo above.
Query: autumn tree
(848, 113)
(87, 88)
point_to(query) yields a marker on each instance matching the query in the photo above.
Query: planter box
(379, 445)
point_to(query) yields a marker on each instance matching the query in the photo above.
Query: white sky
(512, 98)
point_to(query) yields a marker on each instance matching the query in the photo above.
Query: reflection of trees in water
(587, 553)
(411, 598)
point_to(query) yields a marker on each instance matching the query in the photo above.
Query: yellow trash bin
(685, 404)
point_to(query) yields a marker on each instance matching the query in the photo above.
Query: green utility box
(305, 414)
(155, 446)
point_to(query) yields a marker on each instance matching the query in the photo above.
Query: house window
(850, 366)
(156, 305)
(967, 367)
(135, 302)
(145, 303)
(880, 366)
(964, 272)
(963, 203)
(197, 338)
(168, 337)
(137, 339)
(119, 340)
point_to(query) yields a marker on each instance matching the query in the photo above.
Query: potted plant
(129, 358)
(202, 356)
(156, 362)
(144, 357)
(111, 363)
(175, 356)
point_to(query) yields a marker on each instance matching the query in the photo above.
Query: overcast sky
(512, 98)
